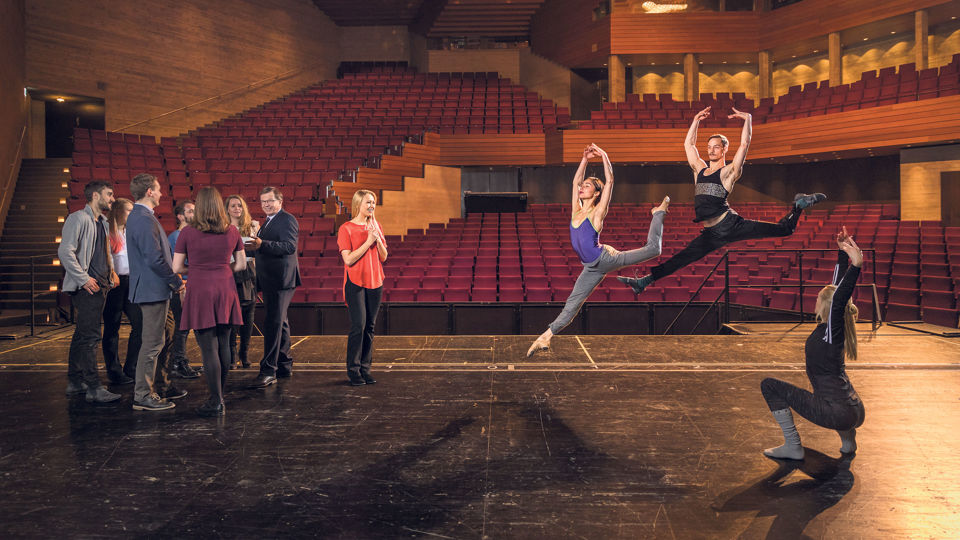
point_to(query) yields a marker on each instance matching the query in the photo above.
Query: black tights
(244, 331)
(731, 228)
(837, 414)
(215, 349)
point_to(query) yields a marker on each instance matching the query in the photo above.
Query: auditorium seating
(526, 257)
(884, 87)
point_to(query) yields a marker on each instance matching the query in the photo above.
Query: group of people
(206, 276)
(217, 244)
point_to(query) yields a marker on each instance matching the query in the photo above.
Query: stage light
(60, 100)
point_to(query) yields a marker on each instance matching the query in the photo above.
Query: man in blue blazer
(152, 281)
(278, 276)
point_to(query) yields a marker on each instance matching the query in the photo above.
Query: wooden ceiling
(438, 18)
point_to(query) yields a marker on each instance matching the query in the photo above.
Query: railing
(725, 293)
(7, 193)
(260, 83)
(34, 293)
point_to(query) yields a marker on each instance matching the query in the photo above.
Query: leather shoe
(153, 403)
(76, 388)
(101, 395)
(284, 374)
(262, 381)
(357, 382)
(183, 370)
(172, 392)
(211, 409)
(368, 379)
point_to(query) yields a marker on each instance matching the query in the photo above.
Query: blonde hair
(597, 184)
(358, 200)
(849, 319)
(246, 222)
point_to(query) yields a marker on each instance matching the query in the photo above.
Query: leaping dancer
(713, 183)
(591, 200)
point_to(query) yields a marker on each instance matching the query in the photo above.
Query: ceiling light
(724, 62)
(891, 33)
(864, 39)
(60, 100)
(794, 56)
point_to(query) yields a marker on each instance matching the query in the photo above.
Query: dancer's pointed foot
(803, 200)
(848, 441)
(664, 205)
(636, 284)
(539, 344)
(787, 451)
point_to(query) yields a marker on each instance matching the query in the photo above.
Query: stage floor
(462, 437)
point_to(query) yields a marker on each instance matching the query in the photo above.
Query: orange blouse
(368, 271)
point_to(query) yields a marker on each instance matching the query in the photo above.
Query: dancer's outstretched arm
(604, 204)
(736, 166)
(578, 178)
(690, 144)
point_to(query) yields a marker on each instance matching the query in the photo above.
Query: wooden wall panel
(13, 104)
(148, 58)
(564, 31)
(434, 198)
(890, 126)
(715, 32)
(696, 32)
(492, 149)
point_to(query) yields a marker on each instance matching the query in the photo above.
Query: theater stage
(462, 437)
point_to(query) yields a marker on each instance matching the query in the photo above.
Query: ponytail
(850, 330)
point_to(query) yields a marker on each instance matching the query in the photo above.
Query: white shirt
(121, 263)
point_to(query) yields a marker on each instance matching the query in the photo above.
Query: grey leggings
(594, 272)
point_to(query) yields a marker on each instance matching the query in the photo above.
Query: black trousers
(178, 348)
(837, 413)
(215, 349)
(276, 332)
(243, 332)
(362, 306)
(82, 358)
(732, 228)
(117, 304)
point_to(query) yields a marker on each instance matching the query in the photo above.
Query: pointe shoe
(537, 347)
(664, 205)
(848, 439)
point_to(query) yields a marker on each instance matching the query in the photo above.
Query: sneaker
(101, 395)
(153, 403)
(802, 200)
(636, 284)
(172, 392)
(75, 388)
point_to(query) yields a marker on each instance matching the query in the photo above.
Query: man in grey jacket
(84, 254)
(152, 281)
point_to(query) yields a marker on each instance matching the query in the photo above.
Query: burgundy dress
(211, 297)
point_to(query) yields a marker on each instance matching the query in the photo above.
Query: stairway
(32, 228)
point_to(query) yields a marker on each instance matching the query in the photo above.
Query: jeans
(731, 228)
(839, 414)
(117, 304)
(594, 272)
(82, 358)
(362, 306)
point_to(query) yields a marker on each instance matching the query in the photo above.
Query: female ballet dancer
(834, 404)
(591, 200)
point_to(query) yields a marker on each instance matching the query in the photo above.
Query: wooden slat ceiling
(438, 18)
(370, 12)
(486, 18)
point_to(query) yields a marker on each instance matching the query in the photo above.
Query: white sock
(791, 449)
(848, 439)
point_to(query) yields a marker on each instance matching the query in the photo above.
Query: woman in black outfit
(834, 404)
(246, 281)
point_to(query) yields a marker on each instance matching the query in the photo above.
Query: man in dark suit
(278, 276)
(152, 281)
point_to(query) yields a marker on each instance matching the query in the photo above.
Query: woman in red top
(211, 307)
(363, 249)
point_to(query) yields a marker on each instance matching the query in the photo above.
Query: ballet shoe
(787, 451)
(664, 205)
(848, 439)
(537, 347)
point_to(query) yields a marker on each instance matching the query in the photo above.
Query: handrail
(7, 192)
(249, 86)
(725, 258)
(33, 293)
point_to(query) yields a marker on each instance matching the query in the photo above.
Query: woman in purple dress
(210, 305)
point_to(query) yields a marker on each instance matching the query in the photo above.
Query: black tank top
(710, 197)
